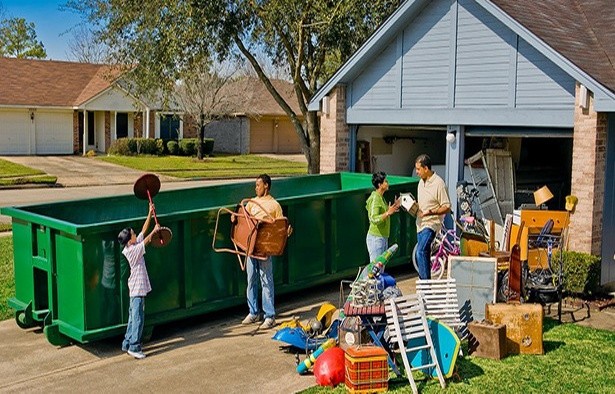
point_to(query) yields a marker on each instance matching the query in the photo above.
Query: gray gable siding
(455, 63)
(426, 58)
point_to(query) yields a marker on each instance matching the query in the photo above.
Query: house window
(169, 127)
(121, 125)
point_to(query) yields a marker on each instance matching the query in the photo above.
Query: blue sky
(50, 23)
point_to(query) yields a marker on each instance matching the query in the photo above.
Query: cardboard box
(487, 340)
(523, 326)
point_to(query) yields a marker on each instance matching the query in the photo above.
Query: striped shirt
(138, 282)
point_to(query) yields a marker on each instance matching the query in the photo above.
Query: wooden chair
(441, 303)
(408, 327)
(253, 237)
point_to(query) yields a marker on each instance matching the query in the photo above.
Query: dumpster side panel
(306, 247)
(26, 287)
(70, 283)
(214, 276)
(350, 229)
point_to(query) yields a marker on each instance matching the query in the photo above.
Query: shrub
(90, 153)
(208, 146)
(120, 147)
(159, 147)
(581, 273)
(187, 146)
(173, 147)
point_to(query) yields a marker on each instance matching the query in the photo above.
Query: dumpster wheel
(24, 320)
(53, 335)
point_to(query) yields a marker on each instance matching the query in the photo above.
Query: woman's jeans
(264, 269)
(423, 252)
(134, 329)
(376, 246)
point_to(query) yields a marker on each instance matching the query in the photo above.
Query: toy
(309, 361)
(329, 367)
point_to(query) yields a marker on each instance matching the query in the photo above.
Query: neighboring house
(43, 105)
(539, 75)
(260, 125)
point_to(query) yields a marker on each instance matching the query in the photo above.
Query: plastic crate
(367, 370)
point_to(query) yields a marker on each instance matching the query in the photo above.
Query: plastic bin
(70, 276)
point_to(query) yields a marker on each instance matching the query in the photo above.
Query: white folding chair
(441, 303)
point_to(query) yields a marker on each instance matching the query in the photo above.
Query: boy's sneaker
(138, 355)
(268, 323)
(250, 319)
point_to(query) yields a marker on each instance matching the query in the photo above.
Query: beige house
(44, 105)
(260, 124)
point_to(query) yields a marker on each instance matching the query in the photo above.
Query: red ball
(329, 367)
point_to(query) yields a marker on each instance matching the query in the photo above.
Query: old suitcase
(523, 326)
(487, 340)
(367, 370)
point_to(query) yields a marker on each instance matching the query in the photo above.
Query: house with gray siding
(452, 77)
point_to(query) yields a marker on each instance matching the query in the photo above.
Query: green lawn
(577, 359)
(7, 281)
(236, 166)
(16, 174)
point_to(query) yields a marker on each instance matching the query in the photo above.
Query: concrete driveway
(75, 171)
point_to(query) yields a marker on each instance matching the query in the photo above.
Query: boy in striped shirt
(138, 283)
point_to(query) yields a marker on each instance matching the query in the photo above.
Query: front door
(121, 125)
(91, 139)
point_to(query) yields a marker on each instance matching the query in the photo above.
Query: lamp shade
(542, 195)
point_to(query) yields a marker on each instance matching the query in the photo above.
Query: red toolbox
(367, 370)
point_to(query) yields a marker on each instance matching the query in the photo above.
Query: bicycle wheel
(438, 263)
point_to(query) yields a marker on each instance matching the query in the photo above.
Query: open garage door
(54, 133)
(15, 132)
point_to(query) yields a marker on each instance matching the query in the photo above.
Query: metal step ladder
(489, 207)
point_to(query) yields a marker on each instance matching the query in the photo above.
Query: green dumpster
(71, 278)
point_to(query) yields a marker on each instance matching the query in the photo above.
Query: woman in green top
(379, 213)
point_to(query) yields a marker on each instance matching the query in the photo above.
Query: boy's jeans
(264, 269)
(134, 329)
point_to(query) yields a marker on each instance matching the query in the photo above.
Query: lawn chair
(253, 237)
(441, 303)
(408, 327)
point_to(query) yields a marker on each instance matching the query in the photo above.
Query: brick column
(152, 124)
(107, 131)
(76, 145)
(588, 171)
(335, 134)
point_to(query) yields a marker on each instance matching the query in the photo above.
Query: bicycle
(446, 243)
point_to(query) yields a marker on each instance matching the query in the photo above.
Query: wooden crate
(523, 326)
(487, 340)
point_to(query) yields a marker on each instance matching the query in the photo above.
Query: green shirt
(376, 206)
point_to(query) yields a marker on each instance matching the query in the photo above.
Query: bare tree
(85, 47)
(210, 93)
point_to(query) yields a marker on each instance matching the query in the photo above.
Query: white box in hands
(409, 204)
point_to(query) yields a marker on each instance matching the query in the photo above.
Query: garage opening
(537, 161)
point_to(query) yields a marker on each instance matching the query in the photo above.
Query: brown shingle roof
(50, 83)
(261, 102)
(583, 31)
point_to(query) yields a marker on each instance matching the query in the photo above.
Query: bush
(187, 146)
(121, 147)
(159, 147)
(581, 273)
(208, 146)
(173, 147)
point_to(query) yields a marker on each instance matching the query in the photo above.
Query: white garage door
(14, 132)
(54, 133)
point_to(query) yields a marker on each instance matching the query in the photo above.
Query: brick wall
(334, 134)
(152, 124)
(76, 146)
(588, 171)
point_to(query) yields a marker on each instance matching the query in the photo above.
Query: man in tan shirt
(266, 207)
(433, 203)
